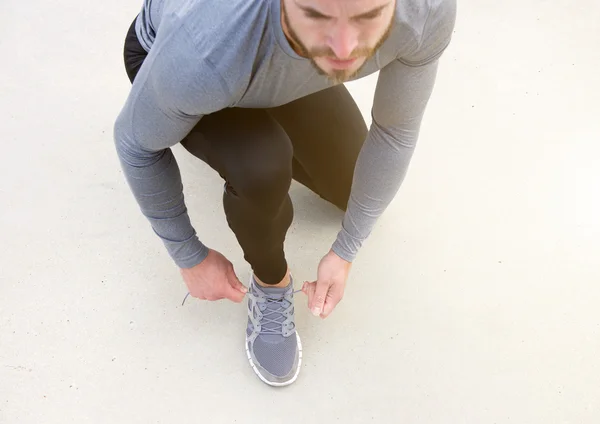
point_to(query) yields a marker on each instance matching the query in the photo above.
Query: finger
(235, 282)
(319, 296)
(309, 290)
(333, 298)
(232, 294)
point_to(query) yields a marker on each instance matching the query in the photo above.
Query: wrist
(340, 252)
(345, 246)
(334, 255)
(193, 260)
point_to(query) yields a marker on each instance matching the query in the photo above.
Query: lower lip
(341, 64)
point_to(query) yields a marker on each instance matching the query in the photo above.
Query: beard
(337, 76)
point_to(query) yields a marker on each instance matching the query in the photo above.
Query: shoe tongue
(274, 290)
(271, 290)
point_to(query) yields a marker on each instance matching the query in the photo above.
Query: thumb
(233, 294)
(319, 297)
(235, 282)
(333, 298)
(233, 288)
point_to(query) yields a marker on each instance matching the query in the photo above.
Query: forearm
(380, 170)
(155, 181)
(401, 97)
(174, 89)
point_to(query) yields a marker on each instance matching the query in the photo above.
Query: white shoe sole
(270, 383)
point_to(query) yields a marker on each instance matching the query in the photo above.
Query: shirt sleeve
(436, 34)
(168, 98)
(401, 96)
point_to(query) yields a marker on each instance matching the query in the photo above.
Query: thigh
(241, 144)
(327, 132)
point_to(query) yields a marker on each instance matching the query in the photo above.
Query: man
(254, 89)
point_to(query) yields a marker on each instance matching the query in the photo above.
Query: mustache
(328, 52)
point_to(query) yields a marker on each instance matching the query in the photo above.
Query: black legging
(314, 140)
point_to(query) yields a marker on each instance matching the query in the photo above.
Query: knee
(263, 183)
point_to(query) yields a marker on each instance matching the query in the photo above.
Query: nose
(343, 41)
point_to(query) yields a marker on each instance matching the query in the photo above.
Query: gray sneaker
(272, 343)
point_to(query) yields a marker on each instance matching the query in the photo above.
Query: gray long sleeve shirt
(207, 55)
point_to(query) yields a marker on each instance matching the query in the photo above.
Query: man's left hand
(325, 293)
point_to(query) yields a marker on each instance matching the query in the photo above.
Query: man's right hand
(214, 279)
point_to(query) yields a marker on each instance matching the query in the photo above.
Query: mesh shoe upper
(271, 331)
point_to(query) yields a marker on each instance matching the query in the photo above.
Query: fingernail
(316, 311)
(244, 289)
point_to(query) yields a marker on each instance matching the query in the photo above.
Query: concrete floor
(474, 301)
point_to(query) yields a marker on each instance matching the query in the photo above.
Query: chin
(339, 75)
